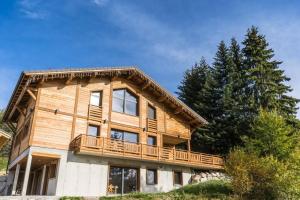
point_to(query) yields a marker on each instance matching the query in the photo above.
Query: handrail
(115, 147)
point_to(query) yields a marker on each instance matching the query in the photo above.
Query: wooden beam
(69, 80)
(31, 94)
(42, 81)
(178, 110)
(131, 75)
(21, 111)
(19, 98)
(146, 86)
(33, 89)
(162, 99)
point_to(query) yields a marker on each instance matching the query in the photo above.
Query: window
(125, 102)
(151, 112)
(151, 177)
(123, 135)
(151, 140)
(93, 130)
(96, 98)
(177, 178)
(125, 180)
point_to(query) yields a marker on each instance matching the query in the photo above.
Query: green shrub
(255, 177)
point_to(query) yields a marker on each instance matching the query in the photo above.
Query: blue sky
(162, 37)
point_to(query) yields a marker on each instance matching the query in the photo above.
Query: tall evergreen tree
(215, 136)
(191, 88)
(266, 86)
(231, 93)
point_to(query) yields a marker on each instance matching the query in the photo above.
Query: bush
(255, 177)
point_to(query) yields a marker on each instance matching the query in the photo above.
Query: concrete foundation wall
(84, 175)
(79, 175)
(164, 179)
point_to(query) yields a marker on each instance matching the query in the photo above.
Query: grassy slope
(206, 190)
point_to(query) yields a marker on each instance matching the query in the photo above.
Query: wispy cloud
(32, 9)
(100, 3)
(155, 36)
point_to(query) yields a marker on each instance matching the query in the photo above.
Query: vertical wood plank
(75, 110)
(33, 123)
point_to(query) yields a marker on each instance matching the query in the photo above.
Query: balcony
(95, 113)
(151, 125)
(101, 146)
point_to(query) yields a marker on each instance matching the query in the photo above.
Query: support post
(43, 179)
(33, 183)
(15, 179)
(26, 175)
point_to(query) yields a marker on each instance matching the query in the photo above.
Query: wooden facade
(52, 109)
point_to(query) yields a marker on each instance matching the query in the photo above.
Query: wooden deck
(85, 144)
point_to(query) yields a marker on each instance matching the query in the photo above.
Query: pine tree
(215, 136)
(191, 88)
(266, 86)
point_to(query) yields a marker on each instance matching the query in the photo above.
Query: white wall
(83, 175)
(79, 175)
(164, 179)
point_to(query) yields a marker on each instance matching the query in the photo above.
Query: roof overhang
(27, 79)
(4, 137)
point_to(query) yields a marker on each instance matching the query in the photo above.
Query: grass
(3, 163)
(201, 191)
(210, 190)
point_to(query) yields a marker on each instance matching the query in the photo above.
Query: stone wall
(203, 176)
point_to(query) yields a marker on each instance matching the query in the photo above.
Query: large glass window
(177, 178)
(151, 112)
(125, 102)
(151, 176)
(96, 98)
(124, 180)
(123, 135)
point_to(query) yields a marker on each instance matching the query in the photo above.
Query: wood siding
(56, 113)
(63, 113)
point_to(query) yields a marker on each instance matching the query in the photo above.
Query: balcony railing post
(141, 145)
(174, 154)
(158, 152)
(103, 142)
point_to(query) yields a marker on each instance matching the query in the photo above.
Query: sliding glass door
(123, 179)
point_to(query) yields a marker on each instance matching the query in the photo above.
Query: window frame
(152, 136)
(93, 125)
(123, 132)
(100, 99)
(124, 100)
(181, 177)
(154, 108)
(155, 176)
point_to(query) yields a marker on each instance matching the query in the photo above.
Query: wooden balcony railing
(95, 113)
(117, 148)
(151, 125)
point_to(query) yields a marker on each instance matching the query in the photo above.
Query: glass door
(123, 180)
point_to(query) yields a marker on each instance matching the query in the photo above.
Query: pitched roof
(29, 78)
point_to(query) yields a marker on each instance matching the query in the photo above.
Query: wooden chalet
(99, 131)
